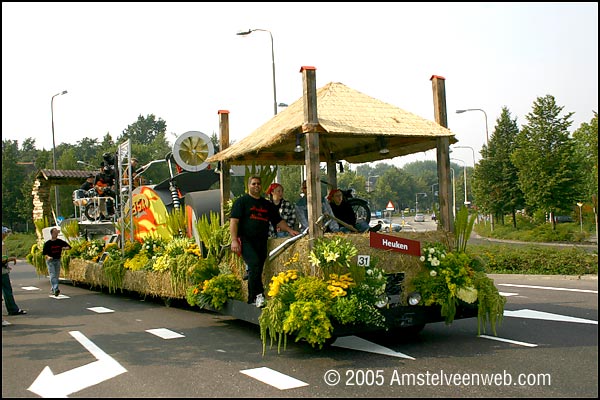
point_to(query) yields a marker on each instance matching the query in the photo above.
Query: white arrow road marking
(101, 310)
(59, 297)
(532, 314)
(164, 333)
(61, 385)
(549, 288)
(274, 378)
(508, 341)
(30, 288)
(508, 294)
(356, 343)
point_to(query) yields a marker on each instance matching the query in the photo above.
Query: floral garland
(451, 277)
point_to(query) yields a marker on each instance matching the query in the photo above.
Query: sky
(183, 62)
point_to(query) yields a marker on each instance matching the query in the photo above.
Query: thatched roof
(351, 128)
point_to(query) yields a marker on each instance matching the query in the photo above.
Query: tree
(14, 179)
(495, 180)
(148, 143)
(397, 186)
(545, 157)
(586, 141)
(145, 130)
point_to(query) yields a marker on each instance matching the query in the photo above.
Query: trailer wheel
(361, 209)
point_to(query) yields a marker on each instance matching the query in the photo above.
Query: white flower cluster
(432, 257)
(376, 280)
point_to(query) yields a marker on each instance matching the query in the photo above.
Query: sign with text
(394, 243)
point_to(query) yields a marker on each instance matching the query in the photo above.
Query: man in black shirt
(53, 251)
(251, 215)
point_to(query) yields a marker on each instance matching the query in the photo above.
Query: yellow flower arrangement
(281, 279)
(337, 283)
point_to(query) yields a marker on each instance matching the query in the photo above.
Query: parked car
(385, 225)
(419, 217)
(562, 218)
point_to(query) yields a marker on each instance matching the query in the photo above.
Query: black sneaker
(56, 293)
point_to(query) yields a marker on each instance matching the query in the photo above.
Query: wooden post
(225, 175)
(310, 128)
(443, 154)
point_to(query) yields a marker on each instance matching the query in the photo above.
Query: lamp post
(487, 142)
(580, 204)
(245, 33)
(86, 164)
(249, 31)
(369, 182)
(453, 194)
(54, 149)
(487, 137)
(417, 201)
(467, 147)
(473, 151)
(464, 177)
(433, 195)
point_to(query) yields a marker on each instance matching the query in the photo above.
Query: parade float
(172, 240)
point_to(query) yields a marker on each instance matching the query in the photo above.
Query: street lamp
(369, 182)
(417, 201)
(464, 178)
(54, 149)
(245, 33)
(433, 194)
(487, 141)
(580, 204)
(453, 193)
(487, 137)
(467, 147)
(473, 151)
(86, 164)
(249, 31)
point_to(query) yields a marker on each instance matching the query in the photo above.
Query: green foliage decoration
(332, 255)
(215, 292)
(214, 237)
(307, 307)
(199, 269)
(490, 303)
(451, 277)
(114, 272)
(463, 226)
(38, 260)
(70, 230)
(137, 263)
(177, 222)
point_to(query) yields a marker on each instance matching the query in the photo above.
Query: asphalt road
(110, 345)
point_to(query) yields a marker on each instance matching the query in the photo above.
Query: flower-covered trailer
(322, 285)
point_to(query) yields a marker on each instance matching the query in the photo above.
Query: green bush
(535, 260)
(19, 244)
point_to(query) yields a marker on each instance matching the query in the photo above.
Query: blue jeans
(360, 226)
(54, 272)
